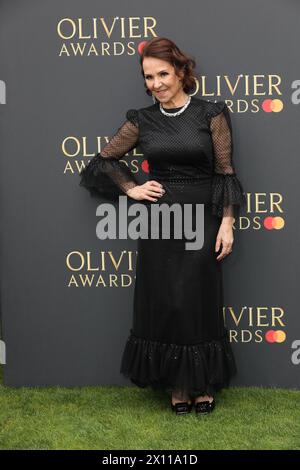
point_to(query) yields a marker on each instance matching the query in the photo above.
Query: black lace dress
(178, 340)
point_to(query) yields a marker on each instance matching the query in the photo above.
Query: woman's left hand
(224, 238)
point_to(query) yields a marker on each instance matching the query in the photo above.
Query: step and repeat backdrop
(69, 72)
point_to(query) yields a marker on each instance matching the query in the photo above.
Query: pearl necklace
(177, 112)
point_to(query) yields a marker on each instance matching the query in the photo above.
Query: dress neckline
(173, 109)
(179, 107)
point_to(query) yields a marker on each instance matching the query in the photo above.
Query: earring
(153, 98)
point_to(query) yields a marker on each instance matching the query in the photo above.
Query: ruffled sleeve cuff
(227, 191)
(107, 177)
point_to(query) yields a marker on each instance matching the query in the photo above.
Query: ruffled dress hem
(199, 369)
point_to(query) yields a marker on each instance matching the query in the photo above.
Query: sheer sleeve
(105, 175)
(227, 192)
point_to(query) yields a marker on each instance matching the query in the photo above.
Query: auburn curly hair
(165, 49)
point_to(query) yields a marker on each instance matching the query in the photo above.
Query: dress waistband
(172, 176)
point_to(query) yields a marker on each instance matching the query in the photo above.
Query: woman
(178, 341)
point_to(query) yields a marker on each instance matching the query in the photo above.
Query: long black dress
(178, 340)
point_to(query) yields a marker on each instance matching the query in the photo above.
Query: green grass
(110, 418)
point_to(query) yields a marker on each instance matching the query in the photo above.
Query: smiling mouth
(161, 91)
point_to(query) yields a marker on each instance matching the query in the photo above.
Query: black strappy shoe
(182, 408)
(204, 407)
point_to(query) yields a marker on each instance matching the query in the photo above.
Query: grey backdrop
(59, 334)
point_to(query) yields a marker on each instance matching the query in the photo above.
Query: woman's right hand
(150, 190)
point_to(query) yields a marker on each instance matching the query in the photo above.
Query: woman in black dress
(178, 341)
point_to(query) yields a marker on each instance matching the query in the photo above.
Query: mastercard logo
(270, 106)
(141, 46)
(145, 166)
(275, 336)
(271, 223)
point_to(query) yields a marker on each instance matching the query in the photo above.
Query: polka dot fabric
(105, 175)
(227, 194)
(178, 340)
(194, 145)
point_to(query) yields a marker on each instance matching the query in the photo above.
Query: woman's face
(161, 79)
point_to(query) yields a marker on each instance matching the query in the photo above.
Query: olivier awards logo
(246, 92)
(264, 211)
(78, 150)
(250, 324)
(94, 37)
(101, 269)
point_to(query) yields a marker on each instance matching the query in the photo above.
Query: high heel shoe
(182, 407)
(205, 407)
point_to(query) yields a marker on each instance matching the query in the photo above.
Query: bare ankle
(178, 396)
(204, 398)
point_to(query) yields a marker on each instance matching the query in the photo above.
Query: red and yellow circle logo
(271, 223)
(272, 106)
(275, 336)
